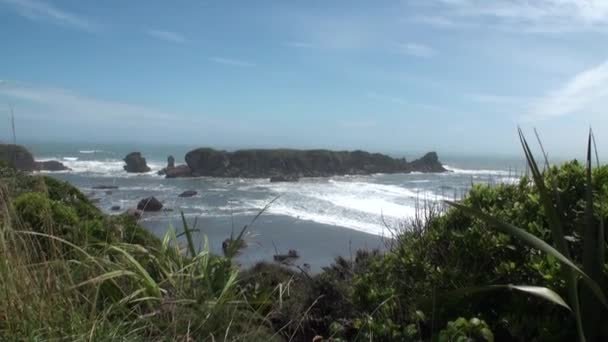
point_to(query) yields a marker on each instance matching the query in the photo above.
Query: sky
(454, 76)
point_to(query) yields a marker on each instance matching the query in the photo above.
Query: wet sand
(317, 244)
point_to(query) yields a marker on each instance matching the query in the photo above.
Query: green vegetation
(517, 262)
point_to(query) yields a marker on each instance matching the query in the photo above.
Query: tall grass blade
(554, 219)
(191, 247)
(148, 282)
(593, 262)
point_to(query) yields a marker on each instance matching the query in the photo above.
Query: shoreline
(317, 244)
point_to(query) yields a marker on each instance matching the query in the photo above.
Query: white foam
(90, 151)
(108, 167)
(353, 203)
(70, 158)
(479, 172)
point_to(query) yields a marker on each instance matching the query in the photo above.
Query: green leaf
(537, 291)
(534, 242)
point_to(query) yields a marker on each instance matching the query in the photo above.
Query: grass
(113, 289)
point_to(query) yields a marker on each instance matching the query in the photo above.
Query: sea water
(320, 217)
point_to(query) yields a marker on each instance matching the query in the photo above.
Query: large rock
(291, 164)
(149, 204)
(178, 171)
(170, 162)
(188, 193)
(428, 163)
(51, 165)
(135, 163)
(17, 156)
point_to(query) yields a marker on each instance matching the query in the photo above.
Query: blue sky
(448, 75)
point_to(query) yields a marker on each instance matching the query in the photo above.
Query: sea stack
(135, 163)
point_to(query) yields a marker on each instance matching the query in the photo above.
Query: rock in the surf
(135, 163)
(115, 208)
(17, 156)
(150, 204)
(105, 187)
(178, 172)
(170, 162)
(51, 165)
(188, 193)
(428, 163)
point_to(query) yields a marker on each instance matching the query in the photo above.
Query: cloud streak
(65, 103)
(37, 10)
(586, 92)
(168, 36)
(232, 62)
(540, 16)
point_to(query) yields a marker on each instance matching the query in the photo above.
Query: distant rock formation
(135, 163)
(178, 171)
(291, 164)
(149, 204)
(170, 162)
(428, 163)
(188, 193)
(20, 158)
(51, 165)
(172, 171)
(17, 156)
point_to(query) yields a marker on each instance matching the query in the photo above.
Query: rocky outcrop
(178, 172)
(105, 187)
(172, 171)
(290, 164)
(149, 204)
(170, 162)
(428, 163)
(17, 156)
(135, 163)
(51, 165)
(188, 193)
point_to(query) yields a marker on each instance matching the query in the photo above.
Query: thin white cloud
(522, 15)
(416, 50)
(232, 62)
(168, 36)
(37, 10)
(586, 92)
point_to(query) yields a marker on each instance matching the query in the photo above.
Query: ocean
(321, 218)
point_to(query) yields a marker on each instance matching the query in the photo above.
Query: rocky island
(290, 163)
(20, 158)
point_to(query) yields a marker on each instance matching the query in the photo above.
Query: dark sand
(317, 244)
